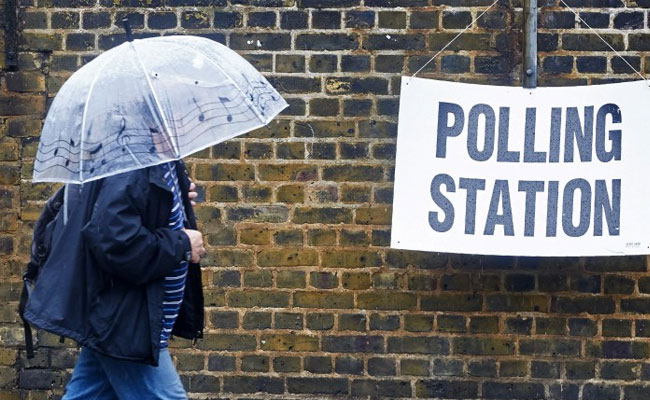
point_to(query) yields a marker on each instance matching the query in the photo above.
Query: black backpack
(39, 251)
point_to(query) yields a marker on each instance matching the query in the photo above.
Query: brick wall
(304, 297)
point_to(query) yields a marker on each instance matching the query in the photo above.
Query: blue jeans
(98, 377)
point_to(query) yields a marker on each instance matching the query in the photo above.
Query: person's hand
(192, 194)
(196, 240)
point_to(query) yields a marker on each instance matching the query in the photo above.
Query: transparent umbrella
(147, 102)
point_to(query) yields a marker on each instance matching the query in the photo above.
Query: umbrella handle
(127, 28)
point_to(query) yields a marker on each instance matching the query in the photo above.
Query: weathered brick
(373, 216)
(224, 319)
(257, 320)
(95, 20)
(359, 19)
(291, 279)
(324, 300)
(257, 298)
(498, 302)
(262, 62)
(38, 379)
(25, 81)
(286, 258)
(286, 364)
(519, 325)
(162, 20)
(389, 300)
(468, 41)
(331, 386)
(258, 151)
(321, 237)
(392, 19)
(420, 259)
(258, 278)
(591, 42)
(42, 41)
(415, 367)
(355, 281)
(291, 194)
(618, 327)
(288, 321)
(446, 389)
(502, 390)
(593, 391)
(483, 346)
(293, 19)
(291, 237)
(582, 327)
(318, 365)
(349, 366)
(290, 342)
(326, 19)
(616, 284)
(381, 388)
(272, 213)
(628, 20)
(227, 19)
(250, 384)
(323, 280)
(320, 321)
(418, 323)
(591, 305)
(221, 363)
(345, 85)
(354, 238)
(21, 105)
(328, 3)
(452, 323)
(355, 63)
(255, 364)
(227, 342)
(580, 369)
(494, 20)
(451, 302)
(321, 215)
(260, 41)
(419, 345)
(323, 63)
(549, 347)
(351, 259)
(263, 19)
(482, 368)
(282, 172)
(224, 172)
(353, 344)
(591, 64)
(327, 41)
(325, 129)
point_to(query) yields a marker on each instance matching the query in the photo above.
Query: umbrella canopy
(147, 102)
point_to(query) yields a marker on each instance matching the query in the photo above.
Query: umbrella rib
(155, 98)
(227, 76)
(83, 119)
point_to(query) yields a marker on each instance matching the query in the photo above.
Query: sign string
(604, 41)
(456, 37)
(567, 6)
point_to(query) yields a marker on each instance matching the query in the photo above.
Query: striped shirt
(174, 285)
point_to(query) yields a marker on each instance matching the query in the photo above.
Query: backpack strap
(39, 252)
(24, 296)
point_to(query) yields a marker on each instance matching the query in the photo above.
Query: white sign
(530, 172)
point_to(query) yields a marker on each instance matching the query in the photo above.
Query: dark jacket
(102, 283)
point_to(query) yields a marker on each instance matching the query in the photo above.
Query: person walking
(121, 278)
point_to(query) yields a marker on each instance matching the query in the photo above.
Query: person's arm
(119, 242)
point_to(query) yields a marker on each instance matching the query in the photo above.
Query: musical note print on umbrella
(147, 102)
